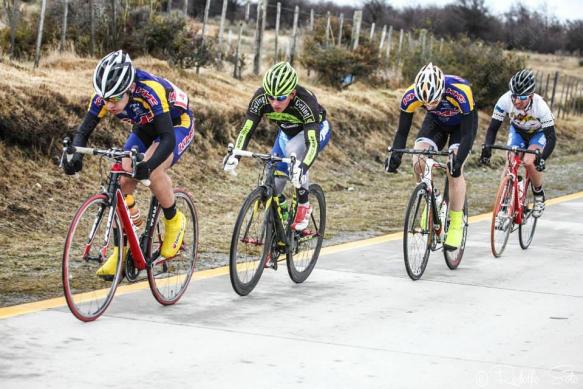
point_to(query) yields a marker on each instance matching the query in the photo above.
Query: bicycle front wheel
(251, 242)
(502, 217)
(417, 232)
(527, 227)
(90, 241)
(170, 277)
(306, 244)
(454, 257)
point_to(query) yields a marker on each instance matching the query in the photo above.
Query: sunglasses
(521, 98)
(278, 98)
(115, 99)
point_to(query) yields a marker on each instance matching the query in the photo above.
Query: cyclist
(163, 128)
(451, 113)
(531, 125)
(303, 130)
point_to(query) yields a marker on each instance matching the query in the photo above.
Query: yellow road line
(17, 310)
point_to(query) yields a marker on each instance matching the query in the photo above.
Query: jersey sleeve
(97, 106)
(461, 96)
(501, 108)
(155, 95)
(544, 114)
(253, 116)
(409, 102)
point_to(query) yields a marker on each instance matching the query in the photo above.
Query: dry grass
(38, 201)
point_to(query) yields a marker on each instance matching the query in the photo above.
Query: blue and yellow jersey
(457, 100)
(149, 97)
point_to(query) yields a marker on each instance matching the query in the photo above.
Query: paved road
(358, 322)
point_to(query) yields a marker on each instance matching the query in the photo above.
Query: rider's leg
(536, 142)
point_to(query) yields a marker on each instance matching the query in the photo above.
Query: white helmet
(113, 75)
(429, 84)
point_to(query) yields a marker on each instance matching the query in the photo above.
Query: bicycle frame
(515, 159)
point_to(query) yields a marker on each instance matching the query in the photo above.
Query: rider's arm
(163, 127)
(551, 136)
(405, 120)
(85, 129)
(252, 118)
(468, 131)
(311, 136)
(492, 131)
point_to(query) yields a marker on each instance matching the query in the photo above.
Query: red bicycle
(513, 207)
(103, 223)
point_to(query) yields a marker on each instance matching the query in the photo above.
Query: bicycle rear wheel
(502, 216)
(90, 241)
(454, 257)
(251, 242)
(169, 278)
(306, 244)
(417, 232)
(527, 227)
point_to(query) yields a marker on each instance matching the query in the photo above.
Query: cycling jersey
(149, 97)
(457, 100)
(536, 117)
(156, 108)
(303, 113)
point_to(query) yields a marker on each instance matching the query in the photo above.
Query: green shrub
(333, 62)
(487, 67)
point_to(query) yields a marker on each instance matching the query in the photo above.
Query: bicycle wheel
(502, 216)
(169, 278)
(306, 244)
(454, 257)
(527, 227)
(90, 241)
(250, 242)
(417, 232)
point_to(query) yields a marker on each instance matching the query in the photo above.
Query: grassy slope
(40, 107)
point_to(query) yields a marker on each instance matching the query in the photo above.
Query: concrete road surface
(357, 322)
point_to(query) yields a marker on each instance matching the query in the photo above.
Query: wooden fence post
(400, 47)
(237, 70)
(294, 35)
(371, 32)
(327, 28)
(39, 35)
(389, 43)
(357, 20)
(222, 25)
(258, 40)
(382, 43)
(312, 19)
(64, 31)
(277, 16)
(555, 81)
(340, 25)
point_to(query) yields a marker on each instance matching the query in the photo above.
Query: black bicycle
(427, 218)
(263, 230)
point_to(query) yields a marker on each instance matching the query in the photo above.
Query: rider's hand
(74, 165)
(230, 163)
(142, 171)
(297, 176)
(485, 156)
(454, 167)
(539, 163)
(392, 163)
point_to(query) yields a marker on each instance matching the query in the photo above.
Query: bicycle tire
(454, 257)
(502, 218)
(170, 278)
(308, 242)
(528, 226)
(87, 294)
(417, 238)
(246, 262)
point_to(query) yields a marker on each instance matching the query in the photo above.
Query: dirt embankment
(37, 200)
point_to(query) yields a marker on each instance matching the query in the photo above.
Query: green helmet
(280, 80)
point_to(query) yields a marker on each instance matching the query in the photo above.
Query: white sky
(562, 9)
